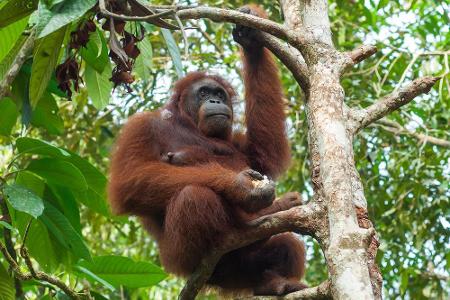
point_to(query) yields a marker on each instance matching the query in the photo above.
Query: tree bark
(330, 143)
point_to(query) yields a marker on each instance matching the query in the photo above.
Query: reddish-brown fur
(189, 207)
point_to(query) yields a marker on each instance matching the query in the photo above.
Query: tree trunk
(334, 175)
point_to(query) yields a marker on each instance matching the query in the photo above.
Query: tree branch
(305, 219)
(294, 38)
(35, 274)
(361, 53)
(290, 57)
(26, 49)
(398, 129)
(320, 292)
(151, 17)
(6, 216)
(361, 118)
(209, 39)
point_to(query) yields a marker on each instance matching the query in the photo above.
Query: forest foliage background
(54, 153)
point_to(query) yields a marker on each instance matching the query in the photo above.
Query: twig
(360, 118)
(20, 59)
(183, 33)
(405, 72)
(306, 219)
(25, 235)
(8, 240)
(35, 274)
(152, 17)
(13, 264)
(6, 232)
(434, 274)
(211, 41)
(45, 277)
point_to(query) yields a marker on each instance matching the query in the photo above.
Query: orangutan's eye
(203, 93)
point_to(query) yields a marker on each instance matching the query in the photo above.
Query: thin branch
(294, 38)
(176, 7)
(20, 59)
(290, 57)
(434, 274)
(183, 33)
(148, 18)
(35, 274)
(320, 292)
(6, 232)
(8, 241)
(45, 277)
(360, 118)
(398, 129)
(25, 235)
(13, 264)
(405, 72)
(210, 40)
(306, 219)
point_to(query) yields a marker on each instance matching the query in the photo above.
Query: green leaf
(15, 10)
(54, 2)
(46, 115)
(99, 86)
(404, 281)
(98, 296)
(382, 4)
(58, 172)
(173, 51)
(34, 146)
(20, 94)
(143, 62)
(93, 197)
(146, 52)
(39, 243)
(140, 69)
(63, 231)
(94, 201)
(44, 61)
(7, 61)
(8, 226)
(24, 200)
(9, 36)
(32, 182)
(7, 290)
(67, 204)
(96, 51)
(95, 179)
(94, 277)
(52, 85)
(61, 14)
(9, 113)
(120, 270)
